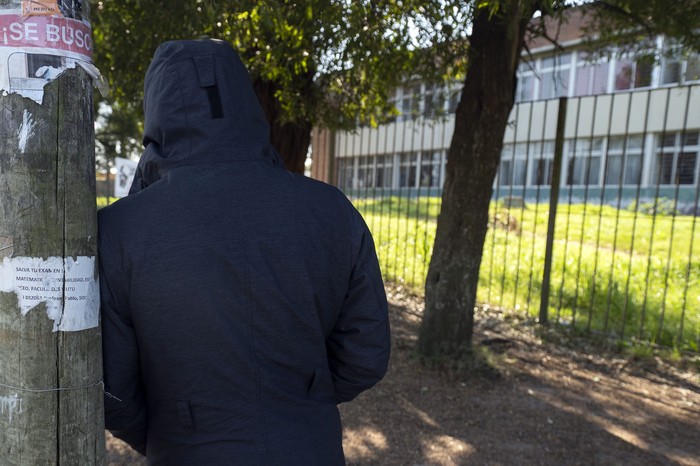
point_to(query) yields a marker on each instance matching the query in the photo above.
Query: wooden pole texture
(51, 410)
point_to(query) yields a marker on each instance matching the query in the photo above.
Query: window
(680, 71)
(676, 158)
(692, 68)
(526, 83)
(554, 76)
(591, 78)
(430, 166)
(374, 171)
(365, 172)
(408, 103)
(542, 163)
(384, 171)
(630, 74)
(434, 101)
(671, 71)
(624, 164)
(513, 165)
(408, 170)
(345, 173)
(584, 161)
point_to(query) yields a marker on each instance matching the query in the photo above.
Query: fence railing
(618, 251)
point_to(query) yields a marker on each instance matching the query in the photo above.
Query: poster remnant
(126, 169)
(70, 36)
(10, 406)
(68, 287)
(40, 7)
(38, 42)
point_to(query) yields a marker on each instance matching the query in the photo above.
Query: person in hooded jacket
(240, 302)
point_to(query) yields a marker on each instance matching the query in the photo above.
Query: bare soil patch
(538, 402)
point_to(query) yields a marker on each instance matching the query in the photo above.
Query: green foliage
(632, 26)
(332, 62)
(104, 201)
(116, 134)
(661, 206)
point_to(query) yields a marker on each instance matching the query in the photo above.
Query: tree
(325, 62)
(116, 135)
(497, 41)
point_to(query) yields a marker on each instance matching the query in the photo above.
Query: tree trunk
(473, 158)
(51, 408)
(291, 139)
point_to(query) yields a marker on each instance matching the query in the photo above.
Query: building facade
(631, 134)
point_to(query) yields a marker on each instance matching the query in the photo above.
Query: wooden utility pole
(51, 410)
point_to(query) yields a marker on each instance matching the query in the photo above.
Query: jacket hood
(199, 108)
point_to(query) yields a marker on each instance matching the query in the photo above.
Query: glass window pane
(633, 169)
(642, 76)
(665, 167)
(692, 71)
(581, 146)
(571, 172)
(597, 144)
(616, 143)
(519, 173)
(521, 150)
(345, 172)
(548, 148)
(593, 173)
(686, 168)
(430, 169)
(408, 170)
(542, 175)
(690, 139)
(384, 171)
(623, 74)
(548, 62)
(668, 140)
(634, 142)
(613, 170)
(506, 151)
(504, 174)
(525, 66)
(554, 84)
(583, 81)
(600, 79)
(526, 88)
(671, 72)
(556, 61)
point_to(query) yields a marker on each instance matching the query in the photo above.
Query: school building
(632, 131)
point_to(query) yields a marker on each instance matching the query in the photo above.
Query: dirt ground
(536, 403)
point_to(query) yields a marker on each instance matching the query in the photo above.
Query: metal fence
(594, 215)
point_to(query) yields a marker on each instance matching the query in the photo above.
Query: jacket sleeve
(359, 345)
(125, 401)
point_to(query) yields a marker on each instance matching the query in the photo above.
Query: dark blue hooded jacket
(240, 302)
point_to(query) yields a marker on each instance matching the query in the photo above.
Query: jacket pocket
(321, 386)
(184, 413)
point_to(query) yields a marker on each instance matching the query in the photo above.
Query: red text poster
(53, 32)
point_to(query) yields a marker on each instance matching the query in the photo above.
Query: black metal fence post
(553, 202)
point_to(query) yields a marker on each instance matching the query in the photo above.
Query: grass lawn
(620, 272)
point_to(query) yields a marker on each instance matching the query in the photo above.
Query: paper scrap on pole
(68, 288)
